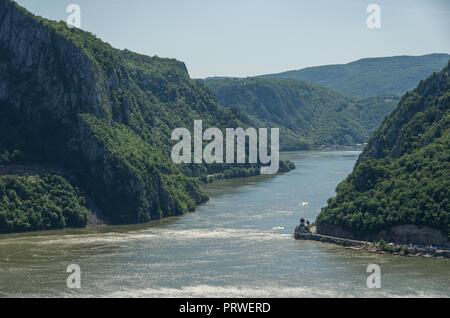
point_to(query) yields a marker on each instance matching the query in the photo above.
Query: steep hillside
(372, 76)
(307, 114)
(103, 115)
(403, 176)
(39, 203)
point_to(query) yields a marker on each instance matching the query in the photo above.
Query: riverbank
(380, 247)
(230, 247)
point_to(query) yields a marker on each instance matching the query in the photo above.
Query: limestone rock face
(105, 115)
(400, 234)
(412, 233)
(34, 56)
(332, 230)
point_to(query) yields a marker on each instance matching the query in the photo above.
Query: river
(232, 246)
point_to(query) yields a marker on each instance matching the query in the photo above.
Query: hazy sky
(251, 37)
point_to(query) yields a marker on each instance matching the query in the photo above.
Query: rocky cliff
(105, 115)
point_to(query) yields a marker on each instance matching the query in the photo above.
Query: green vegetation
(39, 203)
(343, 243)
(240, 172)
(105, 116)
(157, 189)
(372, 76)
(308, 115)
(403, 175)
(383, 246)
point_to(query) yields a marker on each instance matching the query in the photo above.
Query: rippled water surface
(232, 246)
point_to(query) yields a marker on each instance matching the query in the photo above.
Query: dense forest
(103, 115)
(372, 76)
(307, 114)
(403, 175)
(39, 203)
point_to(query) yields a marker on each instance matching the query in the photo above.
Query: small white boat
(303, 203)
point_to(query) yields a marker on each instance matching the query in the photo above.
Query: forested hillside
(403, 175)
(307, 114)
(372, 76)
(39, 203)
(105, 116)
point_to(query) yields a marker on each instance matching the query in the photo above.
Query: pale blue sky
(252, 37)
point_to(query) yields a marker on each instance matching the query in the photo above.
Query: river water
(232, 246)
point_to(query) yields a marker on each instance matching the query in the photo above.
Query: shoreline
(380, 248)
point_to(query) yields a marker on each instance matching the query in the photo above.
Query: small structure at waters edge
(302, 229)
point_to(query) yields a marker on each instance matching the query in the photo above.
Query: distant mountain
(371, 76)
(307, 114)
(400, 187)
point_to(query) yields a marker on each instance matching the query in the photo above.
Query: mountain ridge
(368, 77)
(309, 115)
